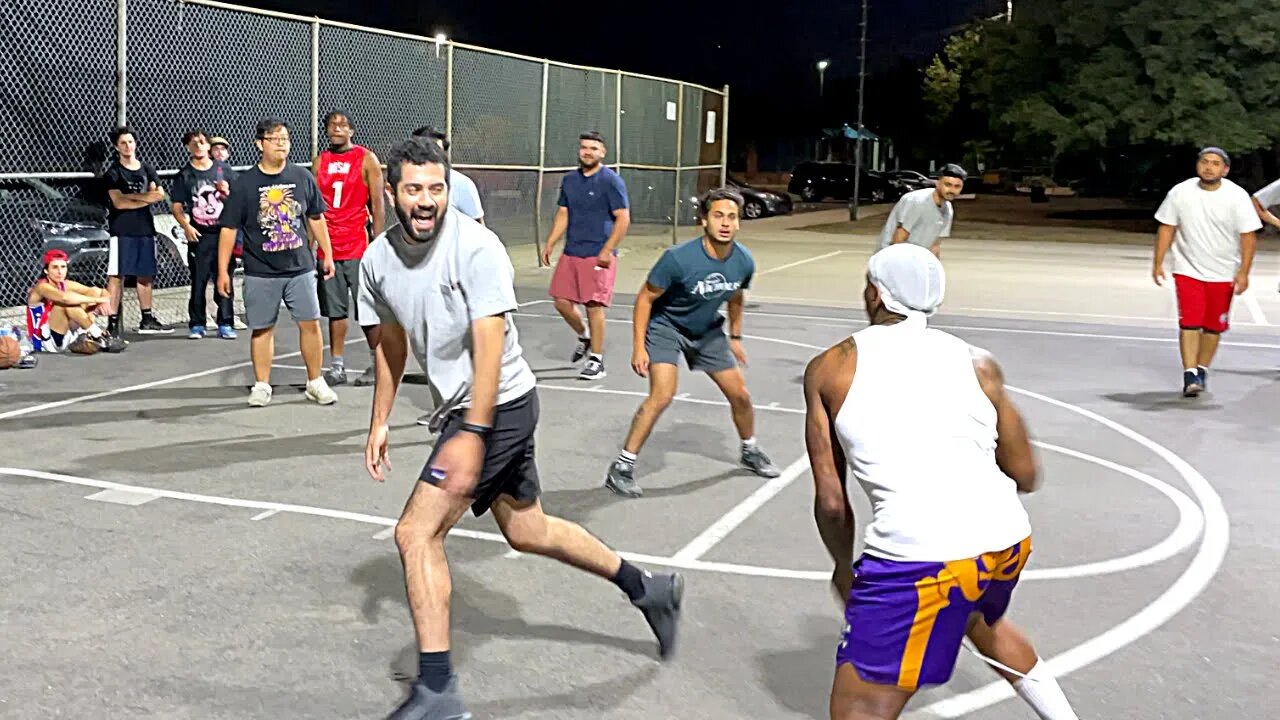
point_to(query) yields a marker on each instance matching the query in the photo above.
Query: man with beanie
(948, 538)
(1211, 224)
(923, 217)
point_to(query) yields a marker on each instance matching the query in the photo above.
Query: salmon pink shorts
(581, 281)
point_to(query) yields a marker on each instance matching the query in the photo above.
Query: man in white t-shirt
(923, 217)
(1210, 222)
(440, 284)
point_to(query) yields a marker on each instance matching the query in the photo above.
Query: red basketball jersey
(341, 180)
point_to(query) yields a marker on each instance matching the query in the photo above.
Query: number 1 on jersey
(337, 194)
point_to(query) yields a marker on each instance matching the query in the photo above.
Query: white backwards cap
(910, 279)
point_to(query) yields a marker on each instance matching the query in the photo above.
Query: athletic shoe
(239, 324)
(112, 344)
(335, 374)
(1204, 378)
(226, 332)
(260, 395)
(423, 704)
(151, 326)
(319, 392)
(196, 333)
(580, 350)
(1191, 386)
(621, 480)
(661, 608)
(367, 377)
(593, 370)
(754, 459)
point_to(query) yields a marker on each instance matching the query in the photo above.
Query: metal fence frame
(122, 90)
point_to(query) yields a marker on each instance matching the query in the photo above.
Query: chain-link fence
(164, 67)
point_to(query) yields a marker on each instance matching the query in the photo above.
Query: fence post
(315, 89)
(542, 164)
(122, 62)
(448, 93)
(724, 139)
(675, 212)
(617, 123)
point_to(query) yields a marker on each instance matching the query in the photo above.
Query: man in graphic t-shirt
(199, 193)
(278, 208)
(132, 188)
(677, 315)
(350, 179)
(1211, 224)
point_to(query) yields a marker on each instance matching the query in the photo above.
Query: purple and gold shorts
(904, 621)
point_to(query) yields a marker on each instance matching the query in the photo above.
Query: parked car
(911, 179)
(70, 215)
(816, 181)
(758, 203)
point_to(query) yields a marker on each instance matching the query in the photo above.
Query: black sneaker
(1204, 378)
(112, 344)
(1191, 386)
(593, 370)
(151, 326)
(661, 608)
(423, 704)
(754, 459)
(621, 480)
(580, 350)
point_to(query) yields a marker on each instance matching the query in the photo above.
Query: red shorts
(581, 281)
(1203, 305)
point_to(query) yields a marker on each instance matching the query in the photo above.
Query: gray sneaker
(754, 459)
(661, 608)
(621, 480)
(593, 370)
(335, 374)
(366, 378)
(423, 704)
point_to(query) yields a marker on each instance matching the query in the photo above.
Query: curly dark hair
(417, 150)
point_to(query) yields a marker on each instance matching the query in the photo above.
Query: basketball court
(173, 553)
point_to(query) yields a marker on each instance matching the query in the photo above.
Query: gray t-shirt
(435, 292)
(921, 217)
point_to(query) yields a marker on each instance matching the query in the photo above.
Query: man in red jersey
(350, 179)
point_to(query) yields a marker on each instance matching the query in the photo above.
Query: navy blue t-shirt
(592, 201)
(697, 284)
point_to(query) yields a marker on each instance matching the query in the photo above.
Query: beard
(585, 165)
(421, 212)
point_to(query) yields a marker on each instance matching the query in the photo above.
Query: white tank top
(920, 437)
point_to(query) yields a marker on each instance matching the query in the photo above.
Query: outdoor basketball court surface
(169, 552)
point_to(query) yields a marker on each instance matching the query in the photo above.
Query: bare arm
(373, 180)
(737, 306)
(621, 222)
(1248, 246)
(126, 201)
(390, 352)
(65, 298)
(900, 235)
(1265, 214)
(487, 335)
(641, 313)
(319, 229)
(1014, 453)
(558, 227)
(1164, 241)
(831, 508)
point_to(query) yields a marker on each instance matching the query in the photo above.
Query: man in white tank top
(924, 423)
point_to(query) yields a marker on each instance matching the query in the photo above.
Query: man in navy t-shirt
(677, 315)
(594, 214)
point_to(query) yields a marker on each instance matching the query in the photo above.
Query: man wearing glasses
(278, 207)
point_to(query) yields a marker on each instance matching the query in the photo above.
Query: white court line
(974, 328)
(532, 302)
(721, 528)
(289, 367)
(1255, 308)
(797, 263)
(596, 389)
(264, 515)
(146, 386)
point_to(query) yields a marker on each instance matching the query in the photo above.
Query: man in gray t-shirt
(923, 217)
(440, 283)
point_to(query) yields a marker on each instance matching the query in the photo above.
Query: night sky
(768, 59)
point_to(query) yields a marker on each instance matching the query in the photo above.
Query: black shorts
(509, 465)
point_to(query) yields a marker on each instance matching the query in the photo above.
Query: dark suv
(816, 181)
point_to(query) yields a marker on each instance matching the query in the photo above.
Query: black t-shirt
(197, 190)
(272, 212)
(137, 222)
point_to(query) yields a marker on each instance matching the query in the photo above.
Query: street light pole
(822, 72)
(862, 77)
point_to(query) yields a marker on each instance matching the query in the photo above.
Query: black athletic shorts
(509, 465)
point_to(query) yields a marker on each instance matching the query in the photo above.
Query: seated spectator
(61, 313)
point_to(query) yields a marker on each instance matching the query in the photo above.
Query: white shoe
(260, 395)
(318, 391)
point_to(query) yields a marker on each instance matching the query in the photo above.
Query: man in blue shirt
(594, 214)
(677, 314)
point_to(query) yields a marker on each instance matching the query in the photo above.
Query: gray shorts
(263, 295)
(706, 353)
(338, 293)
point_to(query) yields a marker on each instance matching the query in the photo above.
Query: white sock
(749, 442)
(1040, 690)
(627, 457)
(1191, 370)
(95, 332)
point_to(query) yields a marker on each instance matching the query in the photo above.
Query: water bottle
(24, 344)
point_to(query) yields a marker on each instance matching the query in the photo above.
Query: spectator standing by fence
(199, 192)
(132, 188)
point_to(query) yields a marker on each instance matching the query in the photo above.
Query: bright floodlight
(823, 64)
(441, 38)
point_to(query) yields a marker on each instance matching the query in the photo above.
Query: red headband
(52, 255)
